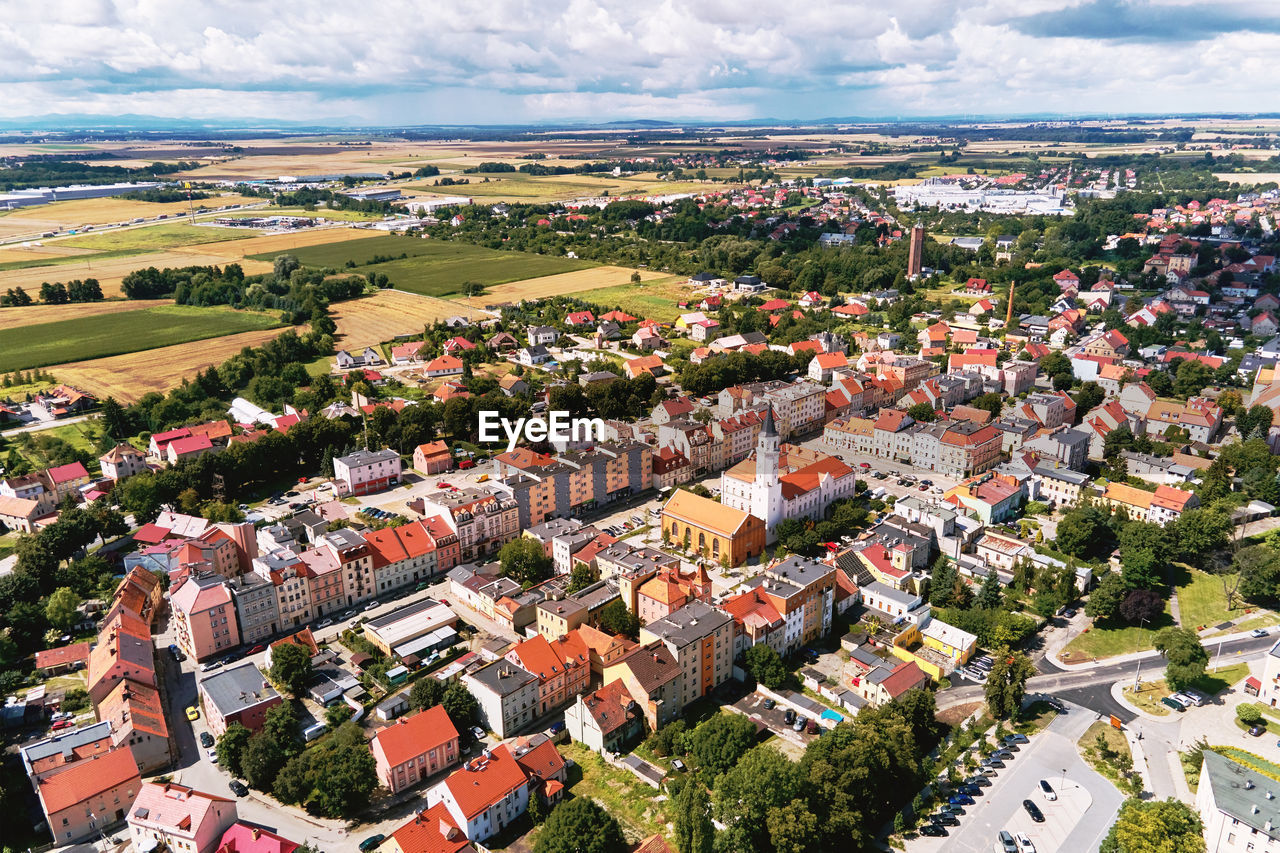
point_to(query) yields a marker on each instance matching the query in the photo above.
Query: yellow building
(712, 529)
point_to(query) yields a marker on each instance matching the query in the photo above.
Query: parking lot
(1085, 806)
(753, 706)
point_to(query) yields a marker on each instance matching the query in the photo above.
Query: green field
(44, 344)
(170, 236)
(434, 267)
(656, 300)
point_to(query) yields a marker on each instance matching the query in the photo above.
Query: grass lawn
(631, 801)
(1116, 742)
(44, 344)
(1038, 715)
(433, 267)
(1107, 639)
(1203, 604)
(169, 236)
(1149, 693)
(655, 300)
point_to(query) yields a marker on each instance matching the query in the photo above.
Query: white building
(366, 471)
(1238, 806)
(485, 795)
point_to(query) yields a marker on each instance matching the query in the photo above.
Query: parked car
(971, 790)
(213, 755)
(1258, 731)
(324, 623)
(987, 771)
(946, 819)
(1010, 747)
(789, 716)
(1016, 738)
(372, 842)
(1024, 843)
(812, 727)
(349, 613)
(1170, 702)
(256, 649)
(769, 704)
(960, 800)
(933, 830)
(477, 732)
(372, 605)
(61, 724)
(1033, 811)
(208, 665)
(1187, 699)
(1006, 841)
(193, 713)
(1069, 612)
(678, 766)
(799, 724)
(1258, 632)
(978, 781)
(237, 787)
(206, 740)
(1047, 790)
(993, 762)
(952, 809)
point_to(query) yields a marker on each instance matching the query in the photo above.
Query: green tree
(1248, 713)
(693, 830)
(60, 610)
(1104, 601)
(524, 561)
(426, 692)
(580, 825)
(1084, 532)
(1200, 533)
(1007, 683)
(291, 668)
(281, 724)
(615, 618)
(764, 779)
(922, 413)
(793, 828)
(231, 748)
(1155, 826)
(337, 714)
(990, 596)
(765, 665)
(1185, 658)
(581, 577)
(720, 741)
(460, 705)
(261, 761)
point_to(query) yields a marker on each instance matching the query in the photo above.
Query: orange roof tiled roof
(84, 780)
(412, 736)
(432, 831)
(482, 782)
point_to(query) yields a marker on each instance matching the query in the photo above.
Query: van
(314, 731)
(483, 478)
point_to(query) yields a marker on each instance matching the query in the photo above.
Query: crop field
(576, 283)
(372, 319)
(102, 335)
(128, 377)
(172, 236)
(655, 299)
(434, 267)
(98, 211)
(31, 315)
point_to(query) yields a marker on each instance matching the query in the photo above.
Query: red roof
(774, 305)
(481, 782)
(67, 473)
(192, 444)
(84, 780)
(432, 831)
(409, 737)
(903, 678)
(63, 655)
(151, 533)
(243, 838)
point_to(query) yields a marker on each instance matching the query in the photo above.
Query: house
(62, 659)
(502, 342)
(174, 817)
(366, 471)
(513, 386)
(822, 366)
(249, 838)
(408, 353)
(1237, 805)
(237, 694)
(578, 319)
(121, 461)
(485, 795)
(507, 695)
(413, 748)
(563, 668)
(542, 335)
(205, 616)
(1067, 281)
(191, 447)
(608, 720)
(812, 299)
(84, 797)
(533, 356)
(432, 830)
(20, 513)
(977, 287)
(647, 338)
(458, 344)
(432, 458)
(445, 365)
(651, 364)
(368, 357)
(448, 390)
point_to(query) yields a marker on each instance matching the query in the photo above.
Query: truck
(879, 494)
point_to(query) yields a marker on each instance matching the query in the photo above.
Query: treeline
(736, 368)
(312, 197)
(540, 169)
(166, 195)
(46, 173)
(57, 293)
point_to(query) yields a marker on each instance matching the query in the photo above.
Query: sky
(388, 62)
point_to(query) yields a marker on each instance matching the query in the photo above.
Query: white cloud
(401, 61)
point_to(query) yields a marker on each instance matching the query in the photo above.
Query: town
(760, 487)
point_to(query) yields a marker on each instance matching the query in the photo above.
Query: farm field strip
(32, 315)
(104, 335)
(582, 283)
(372, 319)
(168, 236)
(656, 299)
(100, 211)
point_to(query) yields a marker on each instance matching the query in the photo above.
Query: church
(785, 481)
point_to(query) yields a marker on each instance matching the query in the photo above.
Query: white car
(1024, 843)
(1258, 632)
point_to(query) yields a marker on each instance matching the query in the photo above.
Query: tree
(261, 761)
(580, 825)
(1201, 532)
(426, 693)
(1007, 683)
(337, 714)
(719, 742)
(922, 413)
(524, 561)
(693, 830)
(460, 705)
(1185, 658)
(60, 610)
(990, 596)
(231, 747)
(1249, 713)
(291, 667)
(615, 618)
(1088, 397)
(1155, 826)
(764, 779)
(581, 577)
(1104, 602)
(1258, 567)
(793, 828)
(281, 723)
(1083, 532)
(990, 401)
(765, 665)
(1142, 607)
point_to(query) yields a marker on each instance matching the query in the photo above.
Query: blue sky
(448, 62)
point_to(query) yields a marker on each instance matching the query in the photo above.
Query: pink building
(243, 838)
(206, 616)
(237, 694)
(175, 817)
(563, 668)
(413, 748)
(83, 797)
(366, 471)
(324, 575)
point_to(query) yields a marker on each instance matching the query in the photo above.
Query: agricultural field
(36, 253)
(434, 267)
(30, 315)
(655, 299)
(575, 283)
(128, 377)
(101, 335)
(61, 215)
(152, 237)
(387, 313)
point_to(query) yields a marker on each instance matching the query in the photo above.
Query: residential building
(123, 651)
(137, 721)
(756, 621)
(653, 677)
(669, 590)
(571, 483)
(1160, 507)
(1237, 805)
(802, 592)
(206, 616)
(250, 838)
(432, 458)
(485, 795)
(122, 461)
(563, 668)
(81, 799)
(174, 817)
(432, 830)
(237, 694)
(414, 748)
(607, 720)
(484, 522)
(507, 695)
(289, 577)
(366, 471)
(701, 640)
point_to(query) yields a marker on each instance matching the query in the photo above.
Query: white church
(785, 481)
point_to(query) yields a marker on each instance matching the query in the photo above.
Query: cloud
(406, 62)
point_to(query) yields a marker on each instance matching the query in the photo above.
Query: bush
(1249, 713)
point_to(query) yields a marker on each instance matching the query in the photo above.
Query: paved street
(1077, 821)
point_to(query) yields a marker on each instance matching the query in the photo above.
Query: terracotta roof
(131, 704)
(904, 677)
(84, 780)
(409, 737)
(543, 761)
(481, 782)
(432, 831)
(62, 655)
(67, 473)
(243, 838)
(655, 844)
(608, 706)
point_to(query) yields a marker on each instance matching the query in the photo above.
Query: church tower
(766, 492)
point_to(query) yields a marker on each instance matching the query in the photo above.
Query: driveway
(1086, 806)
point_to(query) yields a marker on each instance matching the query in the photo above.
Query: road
(41, 425)
(1086, 806)
(36, 236)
